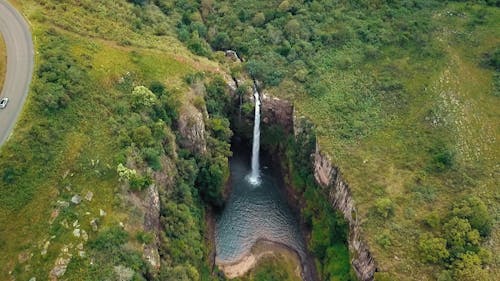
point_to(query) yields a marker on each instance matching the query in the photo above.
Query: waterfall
(255, 174)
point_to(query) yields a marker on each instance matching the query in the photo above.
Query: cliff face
(192, 130)
(339, 195)
(277, 112)
(281, 112)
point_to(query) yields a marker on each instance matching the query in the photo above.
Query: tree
(474, 210)
(433, 249)
(284, 6)
(468, 268)
(292, 27)
(259, 19)
(460, 235)
(142, 136)
(211, 178)
(221, 41)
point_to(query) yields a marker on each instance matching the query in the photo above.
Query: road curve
(20, 60)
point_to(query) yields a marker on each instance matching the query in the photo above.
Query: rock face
(339, 195)
(152, 225)
(192, 130)
(277, 111)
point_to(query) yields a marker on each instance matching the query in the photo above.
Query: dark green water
(255, 212)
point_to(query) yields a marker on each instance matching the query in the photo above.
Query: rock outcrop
(152, 225)
(277, 111)
(192, 130)
(339, 195)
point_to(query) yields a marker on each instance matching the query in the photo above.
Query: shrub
(142, 136)
(144, 237)
(492, 59)
(460, 236)
(217, 97)
(442, 158)
(468, 267)
(125, 173)
(109, 240)
(474, 210)
(384, 207)
(142, 97)
(138, 183)
(433, 220)
(433, 249)
(384, 240)
(152, 157)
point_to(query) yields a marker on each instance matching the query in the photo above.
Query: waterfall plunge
(254, 177)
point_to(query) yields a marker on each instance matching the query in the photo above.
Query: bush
(442, 158)
(109, 240)
(492, 59)
(138, 183)
(474, 210)
(468, 267)
(152, 157)
(384, 207)
(143, 97)
(433, 249)
(144, 237)
(211, 178)
(460, 236)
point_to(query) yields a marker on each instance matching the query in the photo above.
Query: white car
(3, 103)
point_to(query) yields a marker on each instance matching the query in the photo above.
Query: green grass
(392, 151)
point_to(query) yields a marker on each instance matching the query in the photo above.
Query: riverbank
(263, 249)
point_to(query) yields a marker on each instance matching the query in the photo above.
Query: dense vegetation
(101, 123)
(403, 95)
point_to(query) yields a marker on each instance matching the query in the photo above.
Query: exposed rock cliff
(192, 130)
(277, 111)
(340, 197)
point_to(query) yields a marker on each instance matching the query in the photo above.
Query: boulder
(89, 196)
(93, 224)
(76, 199)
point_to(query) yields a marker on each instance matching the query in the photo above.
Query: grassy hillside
(3, 61)
(81, 120)
(404, 95)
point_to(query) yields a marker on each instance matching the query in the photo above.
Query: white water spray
(254, 177)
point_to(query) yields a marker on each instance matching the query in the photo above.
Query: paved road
(20, 61)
